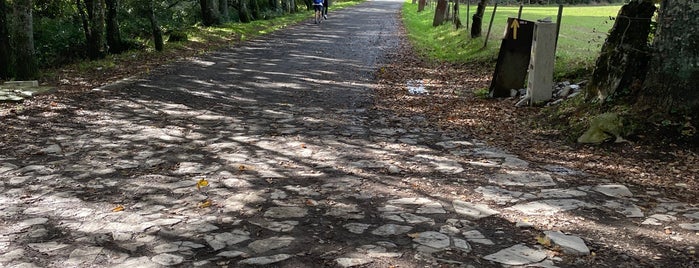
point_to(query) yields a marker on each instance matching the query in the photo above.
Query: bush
(58, 41)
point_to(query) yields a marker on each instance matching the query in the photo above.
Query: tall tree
(223, 10)
(155, 27)
(92, 14)
(622, 63)
(478, 19)
(673, 76)
(113, 34)
(4, 42)
(209, 13)
(25, 63)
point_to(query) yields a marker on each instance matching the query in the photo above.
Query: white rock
(517, 255)
(167, 259)
(568, 243)
(265, 260)
(433, 239)
(549, 206)
(410, 201)
(432, 208)
(357, 228)
(351, 262)
(264, 245)
(613, 190)
(524, 178)
(690, 226)
(391, 229)
(474, 211)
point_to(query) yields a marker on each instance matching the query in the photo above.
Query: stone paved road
(270, 154)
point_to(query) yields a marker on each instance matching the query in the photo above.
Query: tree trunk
(208, 12)
(255, 10)
(92, 14)
(673, 76)
(223, 10)
(155, 27)
(243, 12)
(113, 34)
(623, 61)
(4, 42)
(25, 63)
(439, 13)
(478, 19)
(421, 5)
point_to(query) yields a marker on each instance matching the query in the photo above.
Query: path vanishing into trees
(270, 153)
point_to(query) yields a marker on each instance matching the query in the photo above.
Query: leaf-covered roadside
(453, 103)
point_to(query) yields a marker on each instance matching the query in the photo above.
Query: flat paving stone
(352, 262)
(264, 245)
(613, 190)
(357, 228)
(549, 206)
(524, 179)
(280, 226)
(433, 239)
(391, 229)
(569, 244)
(473, 211)
(476, 236)
(629, 210)
(517, 255)
(265, 260)
(690, 226)
(167, 259)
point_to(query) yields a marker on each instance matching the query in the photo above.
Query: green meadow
(582, 33)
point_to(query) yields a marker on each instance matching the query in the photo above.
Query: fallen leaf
(414, 235)
(543, 240)
(118, 208)
(242, 168)
(205, 204)
(202, 183)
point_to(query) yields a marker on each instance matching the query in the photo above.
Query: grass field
(583, 30)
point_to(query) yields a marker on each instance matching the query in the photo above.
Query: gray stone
(221, 240)
(568, 243)
(31, 222)
(514, 162)
(391, 229)
(12, 255)
(264, 245)
(477, 237)
(473, 211)
(351, 262)
(167, 259)
(694, 215)
(282, 226)
(440, 164)
(462, 245)
(524, 178)
(236, 184)
(629, 210)
(47, 246)
(550, 206)
(52, 149)
(517, 255)
(265, 260)
(560, 193)
(231, 254)
(690, 226)
(431, 208)
(415, 219)
(85, 255)
(140, 262)
(286, 212)
(500, 195)
(411, 201)
(345, 211)
(613, 190)
(433, 239)
(357, 228)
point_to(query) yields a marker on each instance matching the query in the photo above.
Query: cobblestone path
(269, 153)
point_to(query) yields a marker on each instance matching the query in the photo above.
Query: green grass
(583, 30)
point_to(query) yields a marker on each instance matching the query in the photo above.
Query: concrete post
(540, 81)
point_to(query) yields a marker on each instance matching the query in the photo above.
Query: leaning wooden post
(487, 35)
(519, 14)
(558, 26)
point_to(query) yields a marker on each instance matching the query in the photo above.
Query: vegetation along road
(303, 148)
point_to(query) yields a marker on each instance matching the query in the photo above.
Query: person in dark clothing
(318, 8)
(326, 4)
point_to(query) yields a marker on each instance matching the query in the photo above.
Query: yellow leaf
(543, 240)
(414, 235)
(118, 208)
(205, 204)
(242, 168)
(202, 183)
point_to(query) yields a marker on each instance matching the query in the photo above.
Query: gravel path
(270, 154)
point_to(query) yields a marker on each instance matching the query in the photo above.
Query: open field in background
(583, 30)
